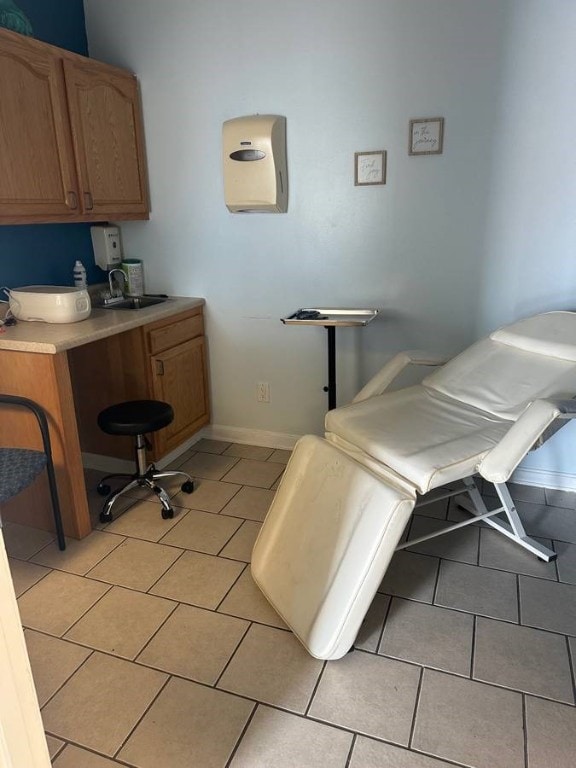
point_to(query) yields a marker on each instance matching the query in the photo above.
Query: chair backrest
(502, 374)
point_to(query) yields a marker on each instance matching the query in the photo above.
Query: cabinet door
(37, 173)
(179, 377)
(106, 127)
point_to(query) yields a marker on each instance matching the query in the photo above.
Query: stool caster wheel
(103, 489)
(167, 514)
(106, 517)
(188, 486)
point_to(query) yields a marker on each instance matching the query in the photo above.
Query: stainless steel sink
(135, 302)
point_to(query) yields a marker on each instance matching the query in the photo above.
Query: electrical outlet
(263, 392)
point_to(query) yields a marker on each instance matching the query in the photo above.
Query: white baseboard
(251, 436)
(544, 478)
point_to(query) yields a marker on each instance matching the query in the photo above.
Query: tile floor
(151, 647)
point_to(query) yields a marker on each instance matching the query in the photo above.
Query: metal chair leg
(470, 499)
(513, 529)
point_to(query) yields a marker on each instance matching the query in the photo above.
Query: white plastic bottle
(79, 275)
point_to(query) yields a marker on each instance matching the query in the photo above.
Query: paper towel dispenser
(254, 162)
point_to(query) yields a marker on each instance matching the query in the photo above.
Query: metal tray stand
(330, 319)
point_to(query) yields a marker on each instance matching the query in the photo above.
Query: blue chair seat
(18, 468)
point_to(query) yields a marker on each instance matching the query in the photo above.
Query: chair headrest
(502, 374)
(552, 334)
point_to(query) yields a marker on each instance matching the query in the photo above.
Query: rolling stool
(137, 418)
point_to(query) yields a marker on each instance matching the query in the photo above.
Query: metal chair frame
(470, 499)
(40, 415)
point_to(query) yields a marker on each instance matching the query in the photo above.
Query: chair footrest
(326, 543)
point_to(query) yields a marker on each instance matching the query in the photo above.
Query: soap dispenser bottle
(79, 275)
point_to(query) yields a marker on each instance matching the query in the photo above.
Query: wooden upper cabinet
(37, 170)
(71, 139)
(105, 119)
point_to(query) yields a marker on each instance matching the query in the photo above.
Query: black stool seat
(135, 417)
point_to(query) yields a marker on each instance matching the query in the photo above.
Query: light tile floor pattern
(151, 646)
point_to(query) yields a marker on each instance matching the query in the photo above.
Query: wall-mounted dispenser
(107, 246)
(254, 160)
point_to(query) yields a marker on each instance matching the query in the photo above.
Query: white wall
(447, 249)
(529, 262)
(348, 75)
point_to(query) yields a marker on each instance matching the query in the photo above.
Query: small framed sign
(369, 168)
(426, 136)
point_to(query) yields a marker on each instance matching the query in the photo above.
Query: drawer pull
(72, 199)
(159, 367)
(88, 201)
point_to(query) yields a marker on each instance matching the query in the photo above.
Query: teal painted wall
(45, 253)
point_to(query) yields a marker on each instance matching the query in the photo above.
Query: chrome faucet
(114, 296)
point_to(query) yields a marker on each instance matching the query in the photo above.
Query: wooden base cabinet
(179, 378)
(71, 138)
(165, 360)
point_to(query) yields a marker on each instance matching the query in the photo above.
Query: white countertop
(50, 338)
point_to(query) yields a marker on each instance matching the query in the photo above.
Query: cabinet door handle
(88, 201)
(71, 199)
(159, 367)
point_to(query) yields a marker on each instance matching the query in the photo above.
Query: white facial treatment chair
(344, 501)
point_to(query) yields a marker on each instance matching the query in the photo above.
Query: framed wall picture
(369, 168)
(426, 136)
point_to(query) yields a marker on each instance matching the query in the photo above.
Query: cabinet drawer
(171, 335)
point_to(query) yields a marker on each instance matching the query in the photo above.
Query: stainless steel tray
(331, 316)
